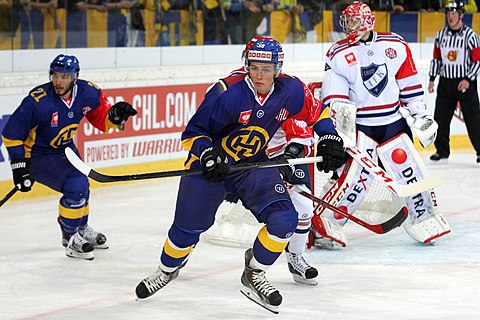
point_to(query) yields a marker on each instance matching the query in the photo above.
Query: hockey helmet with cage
(457, 6)
(266, 50)
(356, 20)
(65, 64)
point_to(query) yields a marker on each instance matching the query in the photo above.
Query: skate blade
(299, 279)
(101, 246)
(73, 254)
(253, 297)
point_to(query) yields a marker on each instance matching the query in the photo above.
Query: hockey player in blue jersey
(37, 134)
(235, 127)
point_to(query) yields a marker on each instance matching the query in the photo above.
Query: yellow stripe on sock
(268, 242)
(175, 252)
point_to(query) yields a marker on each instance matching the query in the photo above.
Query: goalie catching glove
(120, 112)
(330, 148)
(421, 124)
(215, 164)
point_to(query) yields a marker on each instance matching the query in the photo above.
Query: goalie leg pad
(327, 234)
(429, 229)
(401, 160)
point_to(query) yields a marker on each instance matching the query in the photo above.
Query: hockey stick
(381, 228)
(103, 178)
(344, 115)
(399, 189)
(8, 196)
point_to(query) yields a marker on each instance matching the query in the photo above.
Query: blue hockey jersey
(242, 123)
(45, 123)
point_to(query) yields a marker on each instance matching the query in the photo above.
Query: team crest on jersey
(351, 59)
(375, 78)
(452, 55)
(245, 116)
(54, 122)
(391, 53)
(282, 115)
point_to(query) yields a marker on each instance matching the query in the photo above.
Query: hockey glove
(330, 148)
(293, 150)
(120, 112)
(21, 174)
(215, 164)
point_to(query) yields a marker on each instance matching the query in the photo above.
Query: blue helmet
(265, 50)
(65, 64)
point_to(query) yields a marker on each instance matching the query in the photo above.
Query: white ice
(376, 277)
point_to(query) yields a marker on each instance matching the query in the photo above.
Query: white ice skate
(301, 271)
(78, 247)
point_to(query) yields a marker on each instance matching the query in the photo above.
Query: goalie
(371, 77)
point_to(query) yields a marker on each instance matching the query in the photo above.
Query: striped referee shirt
(453, 52)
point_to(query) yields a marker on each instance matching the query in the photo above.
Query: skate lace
(78, 240)
(89, 234)
(156, 282)
(261, 283)
(299, 263)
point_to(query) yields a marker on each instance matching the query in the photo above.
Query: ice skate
(77, 247)
(301, 271)
(154, 282)
(438, 159)
(97, 239)
(257, 288)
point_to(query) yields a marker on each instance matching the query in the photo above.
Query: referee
(456, 58)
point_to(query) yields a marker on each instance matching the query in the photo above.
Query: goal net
(236, 227)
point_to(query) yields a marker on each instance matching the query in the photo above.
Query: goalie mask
(356, 20)
(266, 50)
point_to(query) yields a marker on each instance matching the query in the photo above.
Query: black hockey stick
(8, 196)
(103, 178)
(381, 228)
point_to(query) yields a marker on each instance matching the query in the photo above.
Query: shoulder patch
(327, 67)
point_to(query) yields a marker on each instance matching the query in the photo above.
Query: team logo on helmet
(375, 78)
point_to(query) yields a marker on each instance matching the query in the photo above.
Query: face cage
(351, 24)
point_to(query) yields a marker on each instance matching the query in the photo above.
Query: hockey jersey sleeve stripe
(188, 143)
(11, 143)
(414, 87)
(411, 95)
(328, 99)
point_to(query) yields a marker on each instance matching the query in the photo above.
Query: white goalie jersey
(378, 76)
